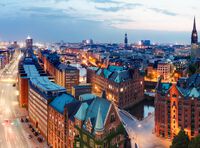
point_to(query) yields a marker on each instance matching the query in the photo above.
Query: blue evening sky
(101, 20)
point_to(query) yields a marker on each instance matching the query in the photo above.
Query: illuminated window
(121, 89)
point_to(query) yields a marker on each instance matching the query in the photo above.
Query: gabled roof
(81, 113)
(93, 110)
(117, 74)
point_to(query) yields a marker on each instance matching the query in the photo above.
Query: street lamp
(139, 125)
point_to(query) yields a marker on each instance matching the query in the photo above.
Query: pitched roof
(117, 74)
(59, 102)
(81, 113)
(93, 111)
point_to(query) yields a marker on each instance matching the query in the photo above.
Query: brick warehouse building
(41, 92)
(177, 106)
(27, 68)
(123, 86)
(63, 74)
(90, 123)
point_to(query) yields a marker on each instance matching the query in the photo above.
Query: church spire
(194, 25)
(194, 38)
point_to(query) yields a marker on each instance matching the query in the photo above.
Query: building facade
(164, 69)
(123, 86)
(177, 107)
(63, 74)
(41, 92)
(27, 68)
(90, 123)
(81, 89)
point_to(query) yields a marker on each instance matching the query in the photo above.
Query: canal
(142, 109)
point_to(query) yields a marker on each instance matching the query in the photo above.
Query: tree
(195, 143)
(180, 141)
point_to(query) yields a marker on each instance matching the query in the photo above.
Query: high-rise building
(126, 41)
(194, 37)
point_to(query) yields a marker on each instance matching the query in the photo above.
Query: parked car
(22, 120)
(30, 126)
(30, 136)
(40, 139)
(26, 120)
(36, 133)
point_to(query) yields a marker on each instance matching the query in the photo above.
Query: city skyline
(101, 20)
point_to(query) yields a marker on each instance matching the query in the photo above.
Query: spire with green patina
(99, 126)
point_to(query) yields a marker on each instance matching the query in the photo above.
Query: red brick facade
(124, 94)
(174, 112)
(23, 91)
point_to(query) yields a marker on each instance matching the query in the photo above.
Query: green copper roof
(81, 113)
(194, 93)
(113, 68)
(31, 71)
(106, 73)
(99, 126)
(59, 102)
(93, 111)
(85, 97)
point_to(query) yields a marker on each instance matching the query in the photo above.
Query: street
(13, 132)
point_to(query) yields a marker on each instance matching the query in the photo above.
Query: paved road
(141, 132)
(13, 133)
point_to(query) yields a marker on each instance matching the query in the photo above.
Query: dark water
(142, 109)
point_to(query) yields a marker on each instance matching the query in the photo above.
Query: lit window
(121, 89)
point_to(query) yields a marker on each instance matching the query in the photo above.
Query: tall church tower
(194, 37)
(126, 41)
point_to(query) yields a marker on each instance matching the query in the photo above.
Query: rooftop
(117, 74)
(59, 102)
(44, 84)
(86, 97)
(31, 71)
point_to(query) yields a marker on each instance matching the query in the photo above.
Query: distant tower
(194, 37)
(126, 41)
(29, 47)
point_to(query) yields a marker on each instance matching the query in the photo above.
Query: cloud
(105, 1)
(163, 11)
(119, 7)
